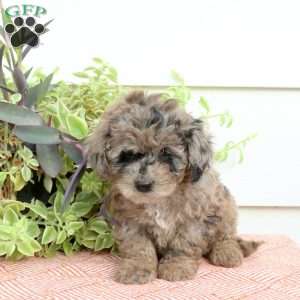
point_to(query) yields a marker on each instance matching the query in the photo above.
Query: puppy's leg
(174, 267)
(226, 253)
(139, 260)
(181, 261)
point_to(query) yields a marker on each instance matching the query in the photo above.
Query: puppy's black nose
(143, 187)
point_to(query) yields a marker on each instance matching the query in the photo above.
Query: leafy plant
(28, 229)
(181, 92)
(42, 156)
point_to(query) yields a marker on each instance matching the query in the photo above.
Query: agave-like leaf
(38, 134)
(49, 159)
(38, 91)
(18, 115)
(2, 77)
(27, 73)
(73, 152)
(74, 181)
(20, 80)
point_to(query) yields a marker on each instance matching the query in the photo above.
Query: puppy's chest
(160, 224)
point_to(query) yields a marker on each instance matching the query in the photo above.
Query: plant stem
(212, 116)
(245, 140)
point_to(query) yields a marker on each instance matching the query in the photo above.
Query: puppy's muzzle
(144, 187)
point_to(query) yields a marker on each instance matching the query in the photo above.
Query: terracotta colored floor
(273, 272)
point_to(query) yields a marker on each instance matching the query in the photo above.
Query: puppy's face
(147, 147)
(146, 165)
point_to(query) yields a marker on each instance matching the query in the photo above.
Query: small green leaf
(32, 229)
(10, 248)
(38, 134)
(89, 243)
(58, 203)
(229, 121)
(222, 119)
(61, 237)
(72, 227)
(26, 173)
(81, 208)
(35, 245)
(62, 113)
(49, 235)
(6, 232)
(2, 178)
(25, 247)
(241, 153)
(77, 127)
(67, 246)
(104, 241)
(99, 226)
(15, 98)
(7, 248)
(33, 163)
(177, 77)
(81, 75)
(39, 208)
(51, 250)
(89, 235)
(10, 217)
(221, 155)
(18, 115)
(25, 153)
(48, 183)
(203, 102)
(19, 182)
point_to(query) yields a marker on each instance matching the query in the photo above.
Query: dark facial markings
(166, 156)
(128, 157)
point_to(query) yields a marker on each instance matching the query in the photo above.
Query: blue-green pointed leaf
(18, 115)
(37, 92)
(49, 159)
(73, 152)
(38, 134)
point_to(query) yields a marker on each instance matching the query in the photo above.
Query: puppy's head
(147, 147)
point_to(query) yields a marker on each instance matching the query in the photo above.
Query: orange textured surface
(273, 272)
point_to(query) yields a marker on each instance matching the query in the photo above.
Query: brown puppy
(168, 204)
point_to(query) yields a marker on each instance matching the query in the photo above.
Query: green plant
(42, 156)
(181, 92)
(28, 229)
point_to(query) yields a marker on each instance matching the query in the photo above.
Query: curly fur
(170, 205)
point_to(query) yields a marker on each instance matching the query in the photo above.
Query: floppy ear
(199, 149)
(97, 145)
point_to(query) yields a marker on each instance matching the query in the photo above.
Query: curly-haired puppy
(169, 206)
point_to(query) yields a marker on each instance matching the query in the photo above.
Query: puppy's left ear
(199, 149)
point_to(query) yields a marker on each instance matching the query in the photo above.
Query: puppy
(166, 202)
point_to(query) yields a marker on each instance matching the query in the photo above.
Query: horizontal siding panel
(211, 43)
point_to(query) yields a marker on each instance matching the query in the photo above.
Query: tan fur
(187, 213)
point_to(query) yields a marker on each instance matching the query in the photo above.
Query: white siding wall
(242, 56)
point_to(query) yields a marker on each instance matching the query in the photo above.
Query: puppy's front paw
(133, 272)
(177, 269)
(227, 254)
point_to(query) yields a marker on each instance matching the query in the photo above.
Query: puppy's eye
(165, 155)
(127, 157)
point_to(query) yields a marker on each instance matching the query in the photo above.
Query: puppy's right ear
(98, 145)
